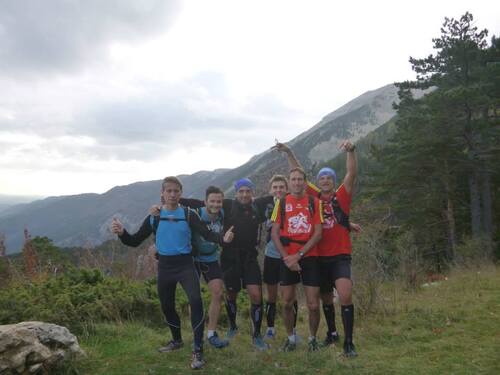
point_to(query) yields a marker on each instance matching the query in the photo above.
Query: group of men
(308, 241)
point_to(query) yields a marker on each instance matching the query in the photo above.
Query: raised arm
(292, 160)
(351, 165)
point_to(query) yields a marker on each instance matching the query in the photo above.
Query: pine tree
(447, 137)
(465, 72)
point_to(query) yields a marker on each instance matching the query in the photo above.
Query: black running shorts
(209, 270)
(272, 270)
(333, 268)
(240, 268)
(309, 274)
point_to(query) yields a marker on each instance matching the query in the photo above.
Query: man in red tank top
(297, 220)
(334, 249)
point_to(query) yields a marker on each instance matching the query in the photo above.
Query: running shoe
(313, 346)
(197, 361)
(289, 346)
(216, 342)
(331, 338)
(171, 346)
(270, 334)
(231, 333)
(259, 343)
(298, 339)
(350, 350)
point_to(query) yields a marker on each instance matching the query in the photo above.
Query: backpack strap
(154, 224)
(340, 216)
(156, 219)
(282, 211)
(187, 214)
(312, 208)
(286, 241)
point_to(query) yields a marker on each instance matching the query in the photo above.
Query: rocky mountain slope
(83, 220)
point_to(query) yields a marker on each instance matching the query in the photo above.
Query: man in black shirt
(239, 258)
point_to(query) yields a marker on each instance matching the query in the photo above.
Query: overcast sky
(98, 93)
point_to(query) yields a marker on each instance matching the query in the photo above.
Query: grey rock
(35, 347)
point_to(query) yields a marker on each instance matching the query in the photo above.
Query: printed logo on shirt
(215, 227)
(289, 207)
(299, 224)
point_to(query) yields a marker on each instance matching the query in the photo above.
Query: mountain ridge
(84, 219)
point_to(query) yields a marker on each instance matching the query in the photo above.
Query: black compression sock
(329, 312)
(295, 313)
(231, 309)
(270, 313)
(256, 315)
(348, 320)
(176, 332)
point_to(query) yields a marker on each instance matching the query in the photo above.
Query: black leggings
(180, 269)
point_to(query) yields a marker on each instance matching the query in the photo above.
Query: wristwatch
(301, 254)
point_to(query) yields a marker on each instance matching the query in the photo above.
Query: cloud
(40, 37)
(74, 122)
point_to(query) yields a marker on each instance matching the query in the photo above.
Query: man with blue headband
(335, 247)
(239, 261)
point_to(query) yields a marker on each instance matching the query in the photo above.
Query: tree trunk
(475, 204)
(449, 215)
(487, 203)
(452, 237)
(474, 177)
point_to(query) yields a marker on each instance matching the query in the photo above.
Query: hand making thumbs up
(229, 235)
(117, 226)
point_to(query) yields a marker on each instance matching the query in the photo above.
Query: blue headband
(243, 182)
(327, 172)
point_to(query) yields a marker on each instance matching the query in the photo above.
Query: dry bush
(410, 267)
(369, 267)
(30, 257)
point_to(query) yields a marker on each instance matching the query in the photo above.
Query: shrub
(80, 298)
(369, 266)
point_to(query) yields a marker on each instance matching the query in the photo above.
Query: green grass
(449, 328)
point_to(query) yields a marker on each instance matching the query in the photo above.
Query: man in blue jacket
(173, 230)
